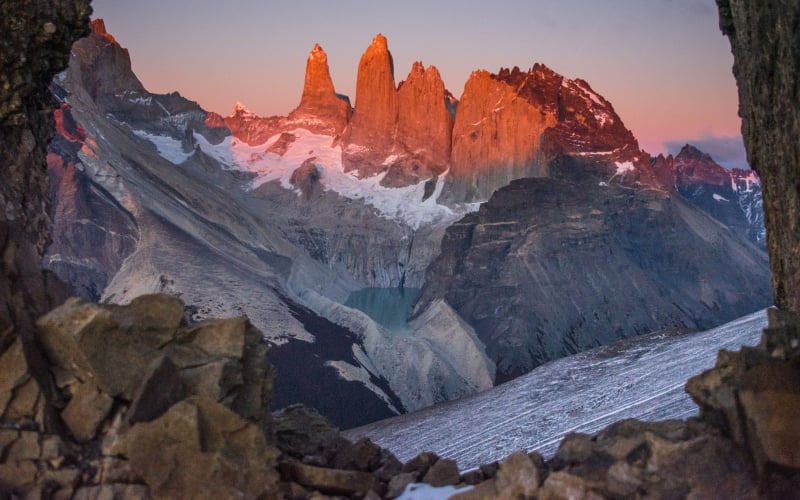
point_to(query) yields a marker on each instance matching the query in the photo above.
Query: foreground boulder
(139, 393)
(131, 354)
(753, 396)
(147, 405)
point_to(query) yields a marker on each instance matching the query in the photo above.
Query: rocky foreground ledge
(145, 405)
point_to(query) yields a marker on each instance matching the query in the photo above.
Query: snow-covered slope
(407, 204)
(638, 378)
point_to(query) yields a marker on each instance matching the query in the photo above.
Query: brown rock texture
(321, 110)
(34, 46)
(369, 138)
(200, 449)
(753, 395)
(765, 41)
(140, 394)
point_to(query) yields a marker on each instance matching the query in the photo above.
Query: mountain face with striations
(304, 223)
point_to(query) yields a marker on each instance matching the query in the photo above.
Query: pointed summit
(375, 115)
(99, 27)
(320, 108)
(689, 152)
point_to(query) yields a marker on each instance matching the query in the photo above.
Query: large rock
(424, 128)
(21, 398)
(133, 353)
(200, 449)
(321, 110)
(766, 47)
(496, 138)
(370, 136)
(752, 395)
(510, 125)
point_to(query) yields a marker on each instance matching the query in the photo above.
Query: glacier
(641, 378)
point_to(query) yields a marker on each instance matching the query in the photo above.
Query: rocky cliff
(370, 136)
(424, 128)
(510, 125)
(35, 45)
(766, 46)
(92, 233)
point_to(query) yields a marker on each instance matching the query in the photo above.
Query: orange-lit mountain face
(506, 126)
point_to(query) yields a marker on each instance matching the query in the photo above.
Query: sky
(663, 64)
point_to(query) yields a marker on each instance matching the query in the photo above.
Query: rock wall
(765, 40)
(370, 135)
(34, 47)
(496, 138)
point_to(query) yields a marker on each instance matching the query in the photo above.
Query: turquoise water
(389, 307)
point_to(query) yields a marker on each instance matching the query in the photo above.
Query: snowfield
(637, 378)
(403, 204)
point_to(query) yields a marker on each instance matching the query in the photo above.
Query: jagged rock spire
(320, 108)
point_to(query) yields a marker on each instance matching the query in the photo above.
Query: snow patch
(720, 198)
(241, 110)
(422, 491)
(404, 204)
(624, 167)
(147, 101)
(359, 374)
(595, 153)
(391, 159)
(168, 148)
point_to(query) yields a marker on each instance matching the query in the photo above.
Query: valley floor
(639, 378)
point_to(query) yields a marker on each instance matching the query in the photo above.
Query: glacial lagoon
(389, 307)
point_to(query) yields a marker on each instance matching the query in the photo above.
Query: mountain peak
(320, 108)
(375, 114)
(380, 42)
(318, 53)
(690, 152)
(99, 26)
